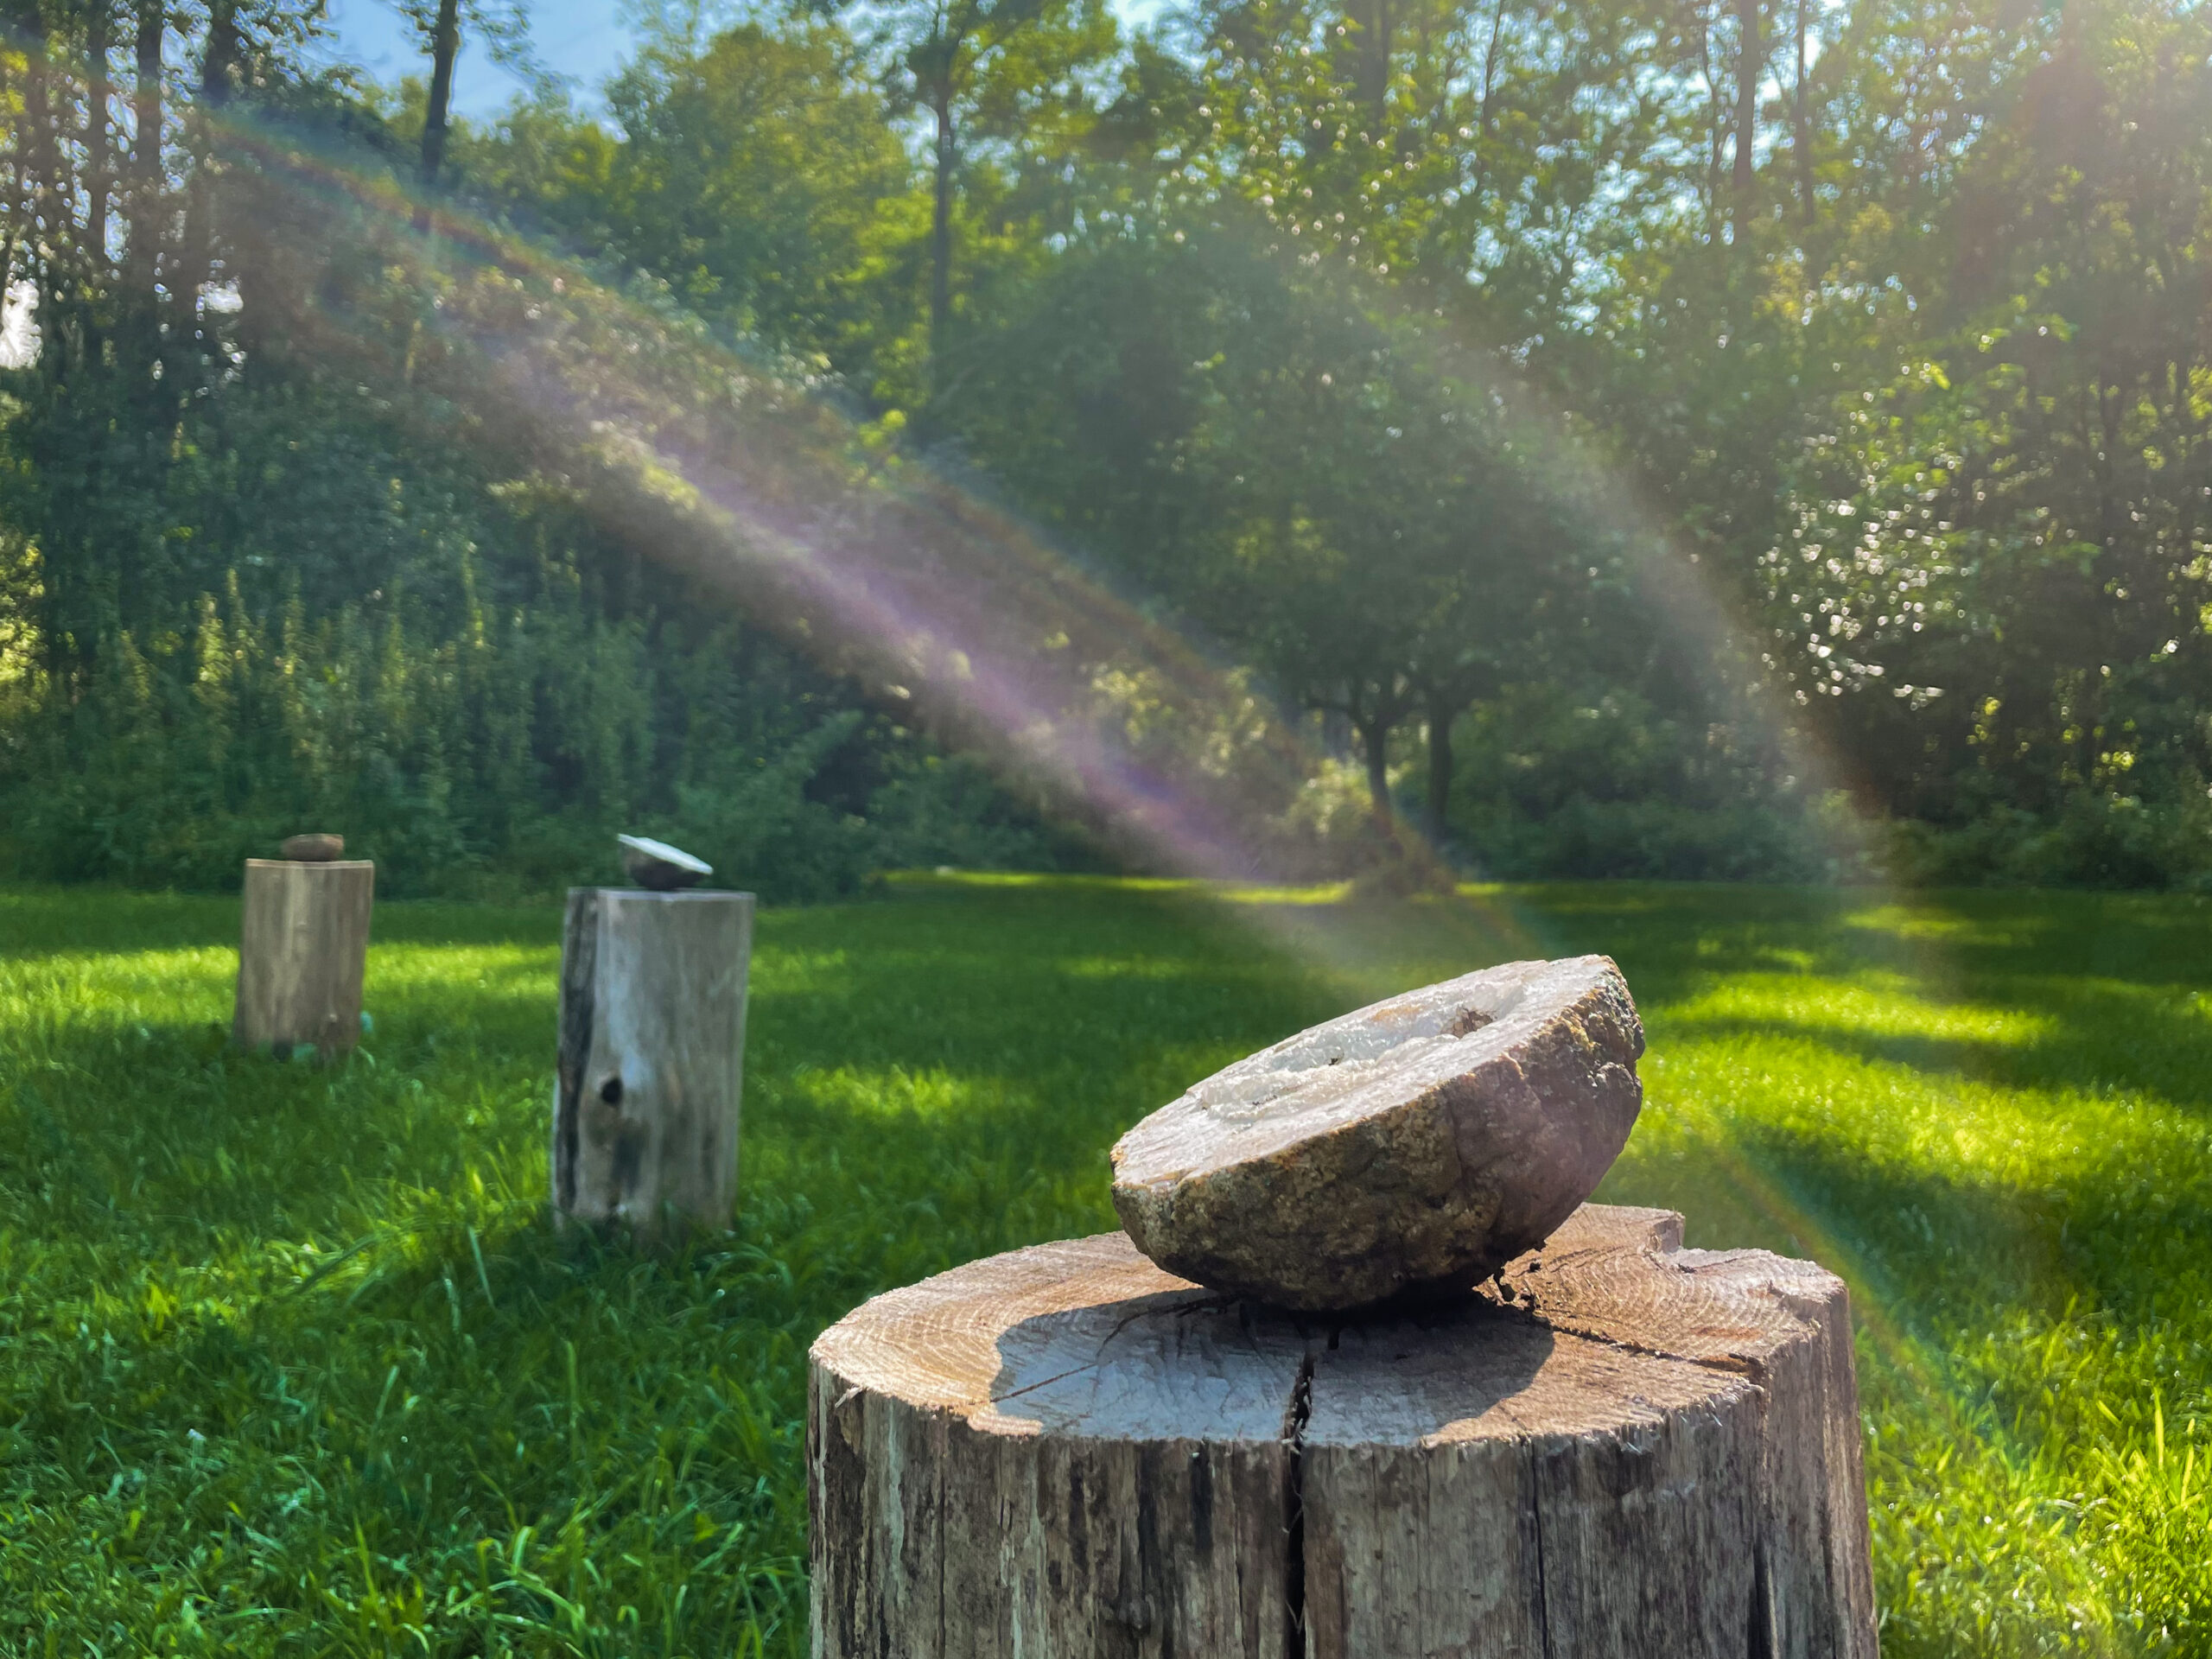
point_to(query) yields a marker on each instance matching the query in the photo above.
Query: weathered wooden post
(1609, 1447)
(651, 1048)
(303, 943)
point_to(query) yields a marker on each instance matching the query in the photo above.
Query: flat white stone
(656, 865)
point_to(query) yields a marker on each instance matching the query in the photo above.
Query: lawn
(292, 1362)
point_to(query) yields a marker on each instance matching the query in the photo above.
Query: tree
(966, 60)
(1313, 483)
(1995, 579)
(762, 177)
(504, 26)
(149, 213)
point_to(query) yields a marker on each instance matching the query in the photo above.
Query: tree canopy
(1613, 436)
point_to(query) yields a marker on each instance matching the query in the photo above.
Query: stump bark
(651, 1058)
(1621, 1449)
(303, 943)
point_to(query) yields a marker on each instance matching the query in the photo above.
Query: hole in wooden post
(611, 1091)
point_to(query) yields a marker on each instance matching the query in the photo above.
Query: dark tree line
(1526, 401)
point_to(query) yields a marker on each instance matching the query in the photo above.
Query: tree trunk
(445, 46)
(1489, 81)
(220, 55)
(146, 150)
(45, 199)
(1441, 713)
(303, 945)
(1751, 64)
(946, 167)
(1802, 138)
(1372, 59)
(651, 1058)
(140, 330)
(195, 257)
(99, 161)
(1375, 749)
(1618, 1449)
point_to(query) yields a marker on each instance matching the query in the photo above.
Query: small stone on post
(303, 943)
(652, 1054)
(659, 867)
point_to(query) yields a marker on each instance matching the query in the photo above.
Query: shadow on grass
(973, 1060)
(473, 1428)
(1934, 1250)
(1669, 938)
(480, 1401)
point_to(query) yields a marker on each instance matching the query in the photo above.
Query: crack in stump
(1295, 1417)
(1543, 1585)
(1760, 1644)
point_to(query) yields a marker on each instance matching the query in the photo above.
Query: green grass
(290, 1362)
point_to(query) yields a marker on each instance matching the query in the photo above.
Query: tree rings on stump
(1621, 1449)
(1415, 1146)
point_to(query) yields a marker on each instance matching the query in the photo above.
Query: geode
(1403, 1152)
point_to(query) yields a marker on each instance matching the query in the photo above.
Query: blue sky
(583, 39)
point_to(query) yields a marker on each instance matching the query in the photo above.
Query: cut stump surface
(1621, 1449)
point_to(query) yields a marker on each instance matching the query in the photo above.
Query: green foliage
(1327, 491)
(1944, 412)
(271, 558)
(757, 174)
(1553, 786)
(479, 694)
(290, 1357)
(2091, 840)
(1816, 381)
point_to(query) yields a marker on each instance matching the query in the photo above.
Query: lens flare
(748, 476)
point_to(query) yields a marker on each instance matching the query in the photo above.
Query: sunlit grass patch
(1950, 926)
(1873, 1005)
(290, 1360)
(1123, 968)
(896, 1092)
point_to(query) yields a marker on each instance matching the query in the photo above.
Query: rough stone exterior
(1411, 1148)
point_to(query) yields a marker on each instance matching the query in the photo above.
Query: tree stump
(651, 1056)
(303, 944)
(1621, 1449)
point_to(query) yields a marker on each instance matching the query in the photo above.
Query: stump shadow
(1409, 1376)
(1179, 1364)
(1195, 1364)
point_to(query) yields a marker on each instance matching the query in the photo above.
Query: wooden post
(1619, 1449)
(651, 1056)
(303, 943)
